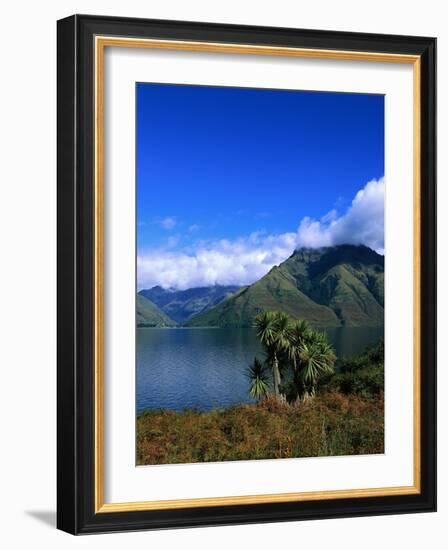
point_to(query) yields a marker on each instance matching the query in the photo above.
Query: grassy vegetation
(326, 425)
(149, 315)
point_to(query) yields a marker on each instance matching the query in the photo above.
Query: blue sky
(226, 169)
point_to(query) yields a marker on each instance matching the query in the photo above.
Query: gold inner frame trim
(101, 42)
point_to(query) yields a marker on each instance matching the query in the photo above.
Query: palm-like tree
(299, 333)
(290, 344)
(317, 359)
(259, 379)
(273, 331)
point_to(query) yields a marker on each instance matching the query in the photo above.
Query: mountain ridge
(182, 305)
(329, 286)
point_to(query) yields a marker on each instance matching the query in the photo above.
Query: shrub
(362, 375)
(327, 425)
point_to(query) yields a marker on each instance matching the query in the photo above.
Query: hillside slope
(332, 286)
(149, 315)
(181, 305)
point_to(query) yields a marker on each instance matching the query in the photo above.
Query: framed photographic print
(246, 274)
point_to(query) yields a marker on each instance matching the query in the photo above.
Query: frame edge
(67, 463)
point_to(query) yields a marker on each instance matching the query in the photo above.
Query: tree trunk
(277, 378)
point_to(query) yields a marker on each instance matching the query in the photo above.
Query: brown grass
(330, 424)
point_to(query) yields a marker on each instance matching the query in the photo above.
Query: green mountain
(149, 315)
(328, 287)
(182, 305)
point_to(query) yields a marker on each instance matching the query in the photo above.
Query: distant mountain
(329, 287)
(182, 305)
(149, 315)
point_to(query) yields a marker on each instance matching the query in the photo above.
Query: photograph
(259, 327)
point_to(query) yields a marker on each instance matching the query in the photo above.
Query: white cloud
(363, 223)
(244, 260)
(224, 262)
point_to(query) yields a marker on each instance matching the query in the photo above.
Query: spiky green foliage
(299, 332)
(272, 329)
(259, 377)
(303, 355)
(316, 359)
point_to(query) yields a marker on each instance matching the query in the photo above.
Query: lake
(205, 368)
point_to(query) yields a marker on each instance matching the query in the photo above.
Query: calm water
(205, 368)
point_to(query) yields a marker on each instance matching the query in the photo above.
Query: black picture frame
(76, 264)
